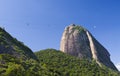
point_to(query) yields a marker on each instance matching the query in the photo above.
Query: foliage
(11, 66)
(79, 28)
(51, 63)
(66, 65)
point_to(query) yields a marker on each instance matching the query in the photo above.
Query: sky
(39, 24)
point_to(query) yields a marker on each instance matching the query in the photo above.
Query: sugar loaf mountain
(80, 54)
(79, 42)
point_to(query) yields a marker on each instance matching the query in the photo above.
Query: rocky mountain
(16, 59)
(79, 42)
(10, 45)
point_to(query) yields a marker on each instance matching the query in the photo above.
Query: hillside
(10, 45)
(16, 59)
(51, 63)
(67, 65)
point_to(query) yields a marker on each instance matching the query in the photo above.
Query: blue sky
(40, 23)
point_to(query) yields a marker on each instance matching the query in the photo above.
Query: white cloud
(118, 66)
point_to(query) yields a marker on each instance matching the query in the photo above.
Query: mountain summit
(79, 42)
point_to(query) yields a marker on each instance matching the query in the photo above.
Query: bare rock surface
(79, 42)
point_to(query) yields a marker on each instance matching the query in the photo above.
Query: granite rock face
(79, 42)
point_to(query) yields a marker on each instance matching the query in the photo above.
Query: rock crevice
(93, 49)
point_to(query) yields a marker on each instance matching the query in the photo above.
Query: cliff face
(79, 42)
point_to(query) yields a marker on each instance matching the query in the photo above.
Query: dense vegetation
(51, 63)
(66, 65)
(11, 66)
(16, 59)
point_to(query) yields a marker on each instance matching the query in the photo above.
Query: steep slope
(63, 64)
(79, 42)
(10, 45)
(16, 59)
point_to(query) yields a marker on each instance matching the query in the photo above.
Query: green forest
(51, 63)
